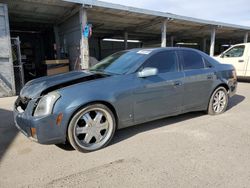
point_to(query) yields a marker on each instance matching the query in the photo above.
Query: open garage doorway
(37, 28)
(36, 43)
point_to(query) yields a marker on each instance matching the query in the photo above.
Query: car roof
(162, 49)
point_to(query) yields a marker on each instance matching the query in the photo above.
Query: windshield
(118, 63)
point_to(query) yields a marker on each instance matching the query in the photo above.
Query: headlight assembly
(46, 104)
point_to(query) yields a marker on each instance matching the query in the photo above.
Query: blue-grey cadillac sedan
(126, 88)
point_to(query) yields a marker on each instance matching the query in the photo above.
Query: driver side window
(236, 51)
(165, 61)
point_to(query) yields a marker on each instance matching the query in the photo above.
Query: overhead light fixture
(87, 6)
(187, 43)
(121, 40)
(226, 45)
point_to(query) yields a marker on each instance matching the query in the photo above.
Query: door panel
(197, 88)
(198, 81)
(158, 96)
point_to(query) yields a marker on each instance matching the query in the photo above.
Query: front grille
(22, 102)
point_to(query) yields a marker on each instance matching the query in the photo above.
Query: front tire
(218, 101)
(91, 128)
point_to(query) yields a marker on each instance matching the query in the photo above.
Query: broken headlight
(46, 104)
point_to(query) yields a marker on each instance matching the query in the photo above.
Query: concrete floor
(190, 150)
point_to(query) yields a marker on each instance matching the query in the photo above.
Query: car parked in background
(239, 56)
(124, 89)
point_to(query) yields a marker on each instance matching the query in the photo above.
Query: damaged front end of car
(37, 111)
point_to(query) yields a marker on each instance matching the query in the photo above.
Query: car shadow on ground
(235, 100)
(66, 146)
(129, 132)
(8, 131)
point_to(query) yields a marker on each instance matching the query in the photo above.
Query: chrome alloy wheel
(93, 128)
(219, 101)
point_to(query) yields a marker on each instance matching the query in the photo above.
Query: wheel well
(222, 85)
(110, 106)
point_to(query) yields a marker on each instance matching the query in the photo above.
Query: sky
(228, 11)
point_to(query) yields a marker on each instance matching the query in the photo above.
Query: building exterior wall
(70, 34)
(7, 86)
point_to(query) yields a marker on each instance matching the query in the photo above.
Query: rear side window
(192, 60)
(207, 64)
(165, 61)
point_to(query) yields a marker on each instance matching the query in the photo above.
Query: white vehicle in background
(238, 56)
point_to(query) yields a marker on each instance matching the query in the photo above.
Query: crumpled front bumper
(45, 128)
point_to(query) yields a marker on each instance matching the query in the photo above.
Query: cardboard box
(57, 70)
(58, 61)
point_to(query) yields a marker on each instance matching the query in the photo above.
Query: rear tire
(218, 101)
(91, 128)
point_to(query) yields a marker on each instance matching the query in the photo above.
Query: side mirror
(148, 71)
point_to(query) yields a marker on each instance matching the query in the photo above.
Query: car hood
(40, 86)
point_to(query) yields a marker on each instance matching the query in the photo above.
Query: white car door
(238, 57)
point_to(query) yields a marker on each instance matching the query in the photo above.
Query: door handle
(209, 77)
(241, 61)
(177, 83)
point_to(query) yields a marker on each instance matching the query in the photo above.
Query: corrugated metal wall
(7, 85)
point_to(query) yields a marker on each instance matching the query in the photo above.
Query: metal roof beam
(58, 4)
(18, 19)
(34, 14)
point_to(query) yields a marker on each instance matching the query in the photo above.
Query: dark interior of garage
(36, 45)
(33, 40)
